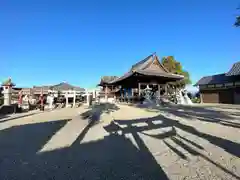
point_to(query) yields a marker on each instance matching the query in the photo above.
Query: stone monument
(150, 97)
(182, 97)
(50, 100)
(187, 99)
(179, 97)
(7, 91)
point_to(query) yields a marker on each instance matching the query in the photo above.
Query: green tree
(175, 67)
(237, 22)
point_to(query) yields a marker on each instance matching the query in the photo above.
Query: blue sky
(50, 41)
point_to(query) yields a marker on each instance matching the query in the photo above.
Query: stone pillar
(89, 97)
(74, 98)
(7, 92)
(66, 96)
(51, 101)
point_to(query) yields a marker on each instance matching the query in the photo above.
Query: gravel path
(163, 143)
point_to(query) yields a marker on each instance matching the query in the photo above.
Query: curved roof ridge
(143, 63)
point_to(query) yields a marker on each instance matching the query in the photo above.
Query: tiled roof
(62, 86)
(65, 86)
(76, 88)
(58, 87)
(122, 77)
(235, 70)
(215, 79)
(161, 74)
(144, 67)
(108, 79)
(149, 73)
(41, 87)
(143, 63)
(147, 62)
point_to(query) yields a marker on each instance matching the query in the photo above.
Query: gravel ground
(162, 143)
(179, 143)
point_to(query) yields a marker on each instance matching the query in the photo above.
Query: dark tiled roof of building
(149, 73)
(76, 88)
(215, 79)
(235, 70)
(65, 86)
(41, 87)
(143, 63)
(122, 77)
(58, 87)
(144, 67)
(162, 74)
(107, 79)
(62, 86)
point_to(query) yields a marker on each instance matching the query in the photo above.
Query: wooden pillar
(139, 89)
(159, 91)
(201, 98)
(166, 89)
(41, 99)
(114, 92)
(158, 95)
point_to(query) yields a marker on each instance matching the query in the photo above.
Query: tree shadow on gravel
(94, 112)
(114, 157)
(194, 112)
(160, 122)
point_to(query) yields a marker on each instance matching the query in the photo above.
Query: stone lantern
(7, 91)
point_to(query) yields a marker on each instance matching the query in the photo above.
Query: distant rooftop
(214, 79)
(58, 87)
(230, 76)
